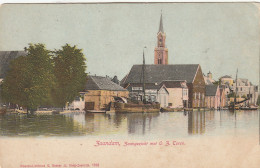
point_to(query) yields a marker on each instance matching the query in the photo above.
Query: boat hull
(134, 108)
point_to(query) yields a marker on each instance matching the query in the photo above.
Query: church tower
(160, 51)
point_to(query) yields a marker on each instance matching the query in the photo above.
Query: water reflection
(140, 123)
(157, 125)
(196, 122)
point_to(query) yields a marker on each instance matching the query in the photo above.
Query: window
(159, 61)
(185, 92)
(136, 88)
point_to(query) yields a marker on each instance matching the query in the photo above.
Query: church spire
(160, 51)
(161, 24)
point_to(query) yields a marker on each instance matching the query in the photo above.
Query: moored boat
(96, 111)
(249, 108)
(120, 107)
(126, 106)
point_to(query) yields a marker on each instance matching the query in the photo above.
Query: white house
(163, 96)
(244, 88)
(178, 93)
(78, 103)
(153, 93)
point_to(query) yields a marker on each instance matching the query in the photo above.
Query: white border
(116, 1)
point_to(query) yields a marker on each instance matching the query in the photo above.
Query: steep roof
(226, 76)
(158, 73)
(211, 90)
(6, 57)
(174, 84)
(102, 83)
(161, 25)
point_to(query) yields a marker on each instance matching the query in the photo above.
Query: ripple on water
(154, 125)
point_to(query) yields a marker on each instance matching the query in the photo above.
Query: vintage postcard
(129, 85)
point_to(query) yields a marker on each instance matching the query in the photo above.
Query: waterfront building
(156, 74)
(178, 93)
(225, 90)
(223, 97)
(245, 89)
(100, 91)
(78, 103)
(153, 93)
(212, 99)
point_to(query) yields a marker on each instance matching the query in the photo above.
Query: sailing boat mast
(235, 100)
(143, 70)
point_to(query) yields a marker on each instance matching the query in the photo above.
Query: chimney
(209, 75)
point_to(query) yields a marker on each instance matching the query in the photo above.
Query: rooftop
(102, 83)
(211, 90)
(174, 84)
(226, 76)
(158, 73)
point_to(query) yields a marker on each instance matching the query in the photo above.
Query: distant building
(212, 99)
(227, 80)
(208, 79)
(100, 91)
(244, 88)
(155, 74)
(6, 57)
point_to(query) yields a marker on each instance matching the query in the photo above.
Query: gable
(199, 78)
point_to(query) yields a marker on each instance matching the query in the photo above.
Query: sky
(221, 37)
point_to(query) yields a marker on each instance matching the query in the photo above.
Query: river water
(133, 125)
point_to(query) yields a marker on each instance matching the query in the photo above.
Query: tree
(69, 70)
(30, 81)
(258, 100)
(12, 88)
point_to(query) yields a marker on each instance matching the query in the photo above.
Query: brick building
(100, 91)
(160, 71)
(160, 51)
(155, 74)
